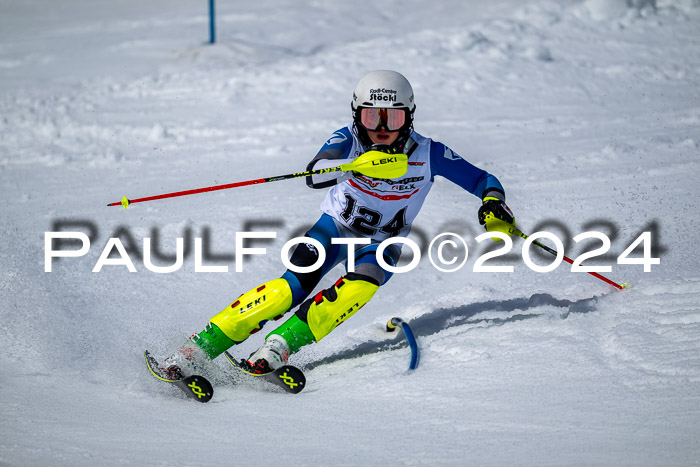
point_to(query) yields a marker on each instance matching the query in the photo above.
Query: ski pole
(391, 325)
(374, 164)
(570, 261)
(502, 226)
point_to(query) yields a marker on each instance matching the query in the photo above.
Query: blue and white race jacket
(382, 208)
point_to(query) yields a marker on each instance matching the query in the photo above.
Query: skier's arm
(448, 164)
(334, 153)
(445, 162)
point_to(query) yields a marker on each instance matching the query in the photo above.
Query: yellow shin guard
(253, 309)
(336, 304)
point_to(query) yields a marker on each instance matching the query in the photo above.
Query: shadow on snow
(443, 318)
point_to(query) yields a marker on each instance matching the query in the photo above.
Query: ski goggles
(372, 118)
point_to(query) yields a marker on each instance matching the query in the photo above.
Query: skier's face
(382, 136)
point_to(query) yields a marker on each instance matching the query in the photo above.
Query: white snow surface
(587, 111)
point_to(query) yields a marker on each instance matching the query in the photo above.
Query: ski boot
(187, 360)
(166, 372)
(273, 354)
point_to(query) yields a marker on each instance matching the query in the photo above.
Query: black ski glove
(498, 208)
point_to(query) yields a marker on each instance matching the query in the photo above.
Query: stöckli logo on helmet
(383, 95)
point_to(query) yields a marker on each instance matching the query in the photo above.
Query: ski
(194, 386)
(289, 378)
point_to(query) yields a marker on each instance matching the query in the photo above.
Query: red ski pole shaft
(375, 164)
(570, 261)
(125, 202)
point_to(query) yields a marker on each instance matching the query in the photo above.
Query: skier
(356, 207)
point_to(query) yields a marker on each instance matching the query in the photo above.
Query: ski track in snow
(587, 111)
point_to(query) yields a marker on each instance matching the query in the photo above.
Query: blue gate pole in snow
(212, 28)
(415, 356)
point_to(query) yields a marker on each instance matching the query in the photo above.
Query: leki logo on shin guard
(254, 303)
(348, 313)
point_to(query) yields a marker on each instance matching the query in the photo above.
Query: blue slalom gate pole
(410, 337)
(212, 27)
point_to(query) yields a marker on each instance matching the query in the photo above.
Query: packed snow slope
(587, 111)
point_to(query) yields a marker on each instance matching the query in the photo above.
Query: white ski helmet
(383, 89)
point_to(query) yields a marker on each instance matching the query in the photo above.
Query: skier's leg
(244, 317)
(271, 300)
(319, 315)
(234, 324)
